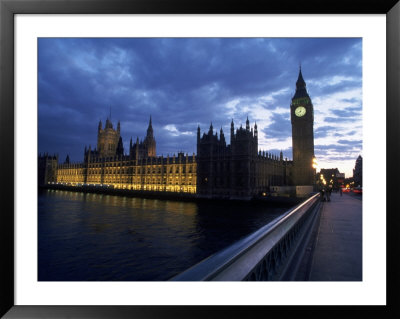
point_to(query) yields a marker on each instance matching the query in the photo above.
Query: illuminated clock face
(300, 111)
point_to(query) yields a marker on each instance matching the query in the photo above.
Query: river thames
(95, 237)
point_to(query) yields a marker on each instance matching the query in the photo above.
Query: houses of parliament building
(235, 170)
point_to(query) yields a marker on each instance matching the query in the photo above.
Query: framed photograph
(155, 72)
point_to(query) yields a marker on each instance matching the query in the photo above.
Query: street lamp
(314, 163)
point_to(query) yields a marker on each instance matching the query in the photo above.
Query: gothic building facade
(139, 169)
(235, 170)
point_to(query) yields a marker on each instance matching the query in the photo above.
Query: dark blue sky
(185, 82)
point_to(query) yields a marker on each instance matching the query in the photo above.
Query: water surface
(94, 237)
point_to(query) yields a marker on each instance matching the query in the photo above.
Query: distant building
(332, 176)
(47, 169)
(238, 170)
(357, 172)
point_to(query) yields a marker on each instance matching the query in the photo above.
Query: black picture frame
(8, 8)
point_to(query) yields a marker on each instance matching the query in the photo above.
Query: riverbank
(186, 197)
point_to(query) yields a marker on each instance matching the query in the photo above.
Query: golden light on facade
(167, 177)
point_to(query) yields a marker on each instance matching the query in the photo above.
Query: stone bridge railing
(271, 253)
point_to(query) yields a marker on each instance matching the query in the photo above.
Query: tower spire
(150, 129)
(300, 81)
(301, 90)
(150, 142)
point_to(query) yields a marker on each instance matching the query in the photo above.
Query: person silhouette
(328, 193)
(322, 193)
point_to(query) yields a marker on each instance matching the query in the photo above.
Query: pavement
(337, 252)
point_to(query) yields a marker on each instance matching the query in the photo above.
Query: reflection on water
(86, 237)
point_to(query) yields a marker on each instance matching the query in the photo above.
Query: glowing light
(314, 163)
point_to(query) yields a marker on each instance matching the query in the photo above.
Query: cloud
(186, 82)
(349, 112)
(339, 119)
(171, 129)
(350, 142)
(280, 127)
(345, 133)
(323, 131)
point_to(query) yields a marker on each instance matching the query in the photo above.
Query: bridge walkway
(337, 251)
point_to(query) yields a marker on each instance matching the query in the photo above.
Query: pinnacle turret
(198, 133)
(108, 123)
(120, 147)
(150, 129)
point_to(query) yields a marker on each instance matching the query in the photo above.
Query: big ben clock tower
(302, 118)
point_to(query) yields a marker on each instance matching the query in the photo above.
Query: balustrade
(264, 255)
